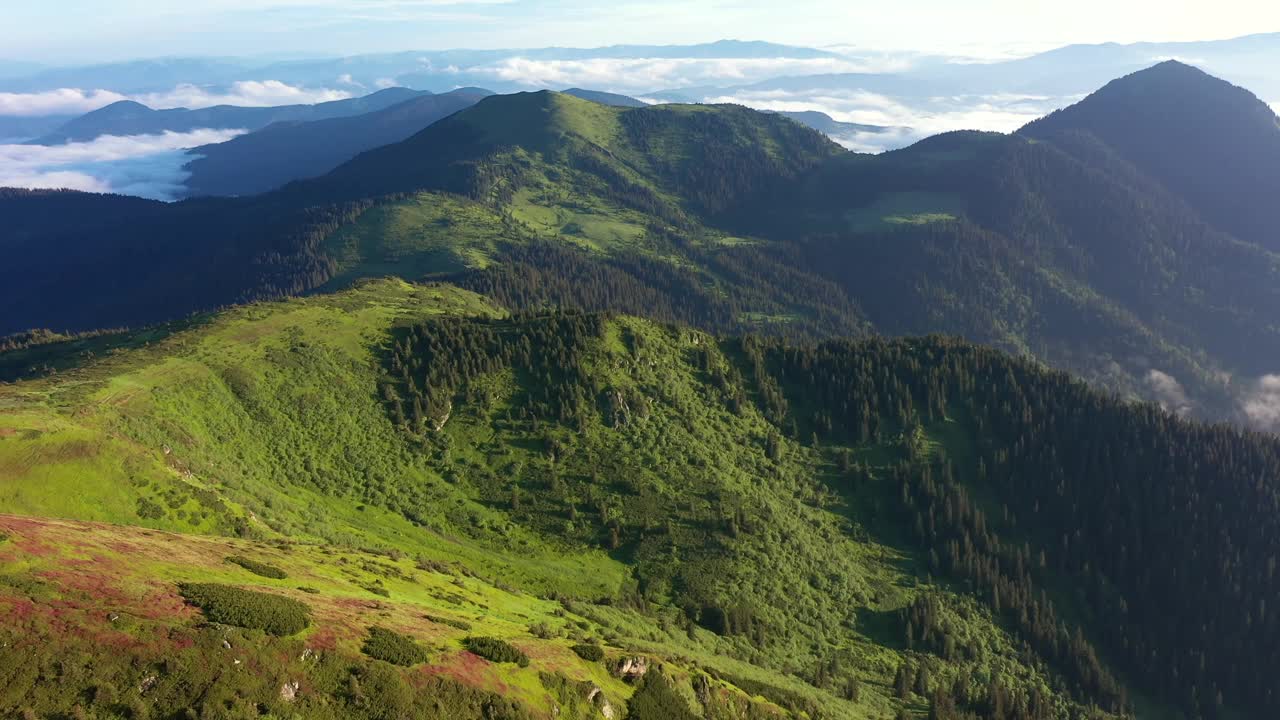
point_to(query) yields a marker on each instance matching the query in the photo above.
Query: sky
(74, 31)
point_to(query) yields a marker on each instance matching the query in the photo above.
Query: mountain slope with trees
(732, 220)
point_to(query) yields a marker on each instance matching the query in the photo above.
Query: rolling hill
(286, 151)
(397, 501)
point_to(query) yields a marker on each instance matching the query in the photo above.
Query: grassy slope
(265, 422)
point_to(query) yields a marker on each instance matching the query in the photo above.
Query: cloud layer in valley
(144, 165)
(909, 120)
(249, 93)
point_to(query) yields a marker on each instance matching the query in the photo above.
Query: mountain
(717, 217)
(605, 98)
(286, 151)
(127, 117)
(828, 125)
(819, 121)
(1220, 152)
(398, 501)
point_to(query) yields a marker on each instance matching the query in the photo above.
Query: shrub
(246, 608)
(464, 626)
(589, 652)
(258, 568)
(390, 646)
(658, 699)
(495, 650)
(308, 589)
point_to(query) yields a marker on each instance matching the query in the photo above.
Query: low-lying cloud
(650, 74)
(908, 120)
(1261, 403)
(1169, 392)
(144, 165)
(67, 101)
(248, 93)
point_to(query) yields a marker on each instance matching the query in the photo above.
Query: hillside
(1214, 144)
(719, 217)
(848, 530)
(127, 117)
(286, 151)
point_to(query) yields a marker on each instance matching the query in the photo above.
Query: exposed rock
(147, 683)
(307, 654)
(596, 697)
(632, 668)
(289, 691)
(225, 644)
(113, 617)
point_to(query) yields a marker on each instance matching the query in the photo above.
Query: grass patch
(258, 568)
(895, 210)
(393, 647)
(459, 624)
(495, 650)
(229, 605)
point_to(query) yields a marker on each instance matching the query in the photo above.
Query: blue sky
(90, 30)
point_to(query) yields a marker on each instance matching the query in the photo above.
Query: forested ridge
(1120, 542)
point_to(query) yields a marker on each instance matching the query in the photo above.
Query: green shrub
(459, 624)
(390, 646)
(258, 568)
(657, 699)
(588, 652)
(3, 538)
(246, 608)
(308, 589)
(495, 650)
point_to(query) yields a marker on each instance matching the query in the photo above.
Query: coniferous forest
(565, 409)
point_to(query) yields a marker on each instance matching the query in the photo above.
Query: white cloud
(143, 165)
(248, 93)
(384, 83)
(67, 101)
(1261, 404)
(909, 121)
(650, 74)
(1276, 107)
(1169, 392)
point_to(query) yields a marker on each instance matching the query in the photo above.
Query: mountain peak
(1215, 144)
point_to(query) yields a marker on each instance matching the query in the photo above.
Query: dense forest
(1096, 528)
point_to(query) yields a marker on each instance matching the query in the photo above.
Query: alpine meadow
(623, 383)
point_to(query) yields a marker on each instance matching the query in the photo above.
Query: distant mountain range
(131, 118)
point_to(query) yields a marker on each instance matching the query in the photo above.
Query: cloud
(245, 93)
(1261, 403)
(1275, 106)
(1169, 392)
(384, 83)
(144, 165)
(909, 121)
(67, 101)
(248, 93)
(650, 74)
